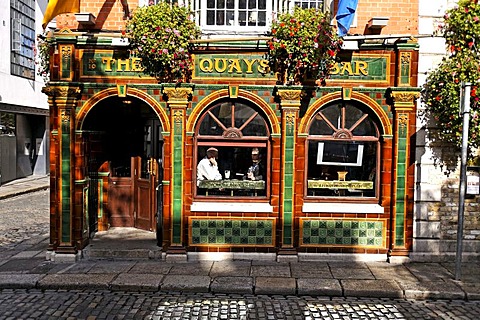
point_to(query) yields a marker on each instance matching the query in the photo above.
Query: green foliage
(159, 35)
(303, 44)
(441, 92)
(43, 52)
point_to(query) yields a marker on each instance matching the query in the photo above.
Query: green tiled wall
(400, 190)
(65, 176)
(258, 232)
(356, 233)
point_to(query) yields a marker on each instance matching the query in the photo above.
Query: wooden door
(144, 193)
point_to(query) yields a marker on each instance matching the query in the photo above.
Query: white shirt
(207, 171)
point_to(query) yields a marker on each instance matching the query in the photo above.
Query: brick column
(64, 219)
(177, 103)
(290, 104)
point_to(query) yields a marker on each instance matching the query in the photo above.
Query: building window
(244, 16)
(343, 153)
(7, 123)
(236, 136)
(318, 4)
(233, 15)
(23, 38)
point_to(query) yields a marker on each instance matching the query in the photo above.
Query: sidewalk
(24, 185)
(114, 261)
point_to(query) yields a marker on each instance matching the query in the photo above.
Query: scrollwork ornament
(402, 121)
(178, 116)
(65, 116)
(405, 58)
(66, 53)
(290, 118)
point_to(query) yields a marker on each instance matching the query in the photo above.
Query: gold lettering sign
(238, 66)
(121, 65)
(355, 68)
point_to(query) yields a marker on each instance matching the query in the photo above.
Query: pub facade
(302, 170)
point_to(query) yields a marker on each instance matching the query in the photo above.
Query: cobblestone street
(26, 217)
(23, 217)
(20, 304)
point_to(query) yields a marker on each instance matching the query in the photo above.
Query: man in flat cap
(207, 168)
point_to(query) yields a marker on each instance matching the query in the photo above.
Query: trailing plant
(303, 45)
(159, 35)
(441, 91)
(42, 53)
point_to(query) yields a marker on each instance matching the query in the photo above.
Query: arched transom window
(343, 152)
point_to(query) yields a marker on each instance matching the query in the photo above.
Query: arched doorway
(125, 153)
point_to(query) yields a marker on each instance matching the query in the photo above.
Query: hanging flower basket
(303, 46)
(441, 91)
(159, 35)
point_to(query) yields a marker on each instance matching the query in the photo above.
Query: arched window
(236, 136)
(343, 153)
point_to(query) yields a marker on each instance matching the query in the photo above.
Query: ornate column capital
(62, 91)
(178, 96)
(405, 100)
(290, 98)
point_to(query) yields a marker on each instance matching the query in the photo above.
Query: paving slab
(392, 272)
(372, 288)
(319, 287)
(19, 281)
(352, 273)
(429, 271)
(275, 285)
(238, 285)
(76, 281)
(195, 269)
(151, 267)
(472, 290)
(278, 270)
(82, 266)
(185, 283)
(111, 267)
(21, 265)
(311, 270)
(230, 268)
(137, 282)
(432, 290)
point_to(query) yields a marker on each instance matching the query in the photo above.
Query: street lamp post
(465, 111)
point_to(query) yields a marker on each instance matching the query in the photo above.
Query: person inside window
(255, 171)
(207, 168)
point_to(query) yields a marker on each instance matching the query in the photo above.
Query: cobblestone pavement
(23, 217)
(21, 304)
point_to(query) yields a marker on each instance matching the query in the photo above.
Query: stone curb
(137, 282)
(23, 191)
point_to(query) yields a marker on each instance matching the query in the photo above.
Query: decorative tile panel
(204, 231)
(345, 233)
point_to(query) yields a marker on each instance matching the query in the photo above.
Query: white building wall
(24, 98)
(16, 90)
(429, 243)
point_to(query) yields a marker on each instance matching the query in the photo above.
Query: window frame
(199, 8)
(355, 138)
(22, 39)
(221, 142)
